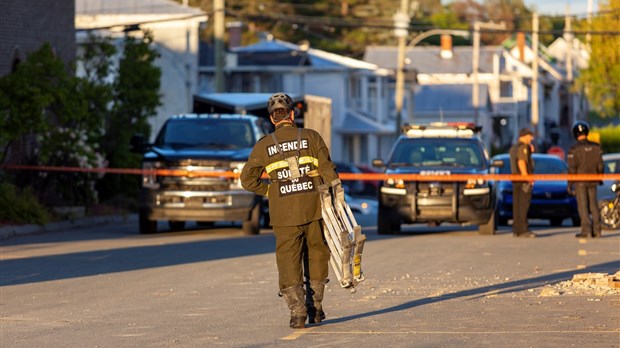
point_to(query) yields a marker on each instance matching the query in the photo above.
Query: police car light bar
(442, 129)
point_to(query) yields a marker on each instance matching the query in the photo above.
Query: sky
(555, 7)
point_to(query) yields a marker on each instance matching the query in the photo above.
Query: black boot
(294, 297)
(314, 299)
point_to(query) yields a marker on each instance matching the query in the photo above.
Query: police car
(436, 149)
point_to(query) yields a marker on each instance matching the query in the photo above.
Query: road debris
(598, 284)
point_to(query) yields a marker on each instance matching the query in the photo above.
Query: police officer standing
(585, 157)
(521, 164)
(296, 161)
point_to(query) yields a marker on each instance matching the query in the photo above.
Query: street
(108, 286)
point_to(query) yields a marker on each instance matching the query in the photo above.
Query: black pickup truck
(200, 143)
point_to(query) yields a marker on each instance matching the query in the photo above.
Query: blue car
(550, 199)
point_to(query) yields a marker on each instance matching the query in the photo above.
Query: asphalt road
(108, 286)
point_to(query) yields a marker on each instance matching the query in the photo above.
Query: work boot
(314, 299)
(294, 297)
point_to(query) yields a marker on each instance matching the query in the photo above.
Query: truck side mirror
(136, 144)
(378, 163)
(497, 163)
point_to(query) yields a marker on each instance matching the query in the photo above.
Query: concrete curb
(10, 231)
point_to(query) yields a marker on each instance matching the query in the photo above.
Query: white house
(504, 77)
(363, 128)
(175, 31)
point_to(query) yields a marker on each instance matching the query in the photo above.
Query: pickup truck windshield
(206, 133)
(438, 152)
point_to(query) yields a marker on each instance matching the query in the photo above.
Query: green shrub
(610, 138)
(20, 206)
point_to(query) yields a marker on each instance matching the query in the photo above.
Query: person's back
(585, 157)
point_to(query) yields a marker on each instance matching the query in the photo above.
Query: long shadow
(66, 266)
(108, 230)
(513, 286)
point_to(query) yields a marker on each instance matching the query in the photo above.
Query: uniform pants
(296, 243)
(521, 198)
(587, 205)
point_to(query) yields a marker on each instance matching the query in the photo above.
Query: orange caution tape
(437, 176)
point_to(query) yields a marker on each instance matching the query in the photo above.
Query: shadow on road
(508, 287)
(81, 264)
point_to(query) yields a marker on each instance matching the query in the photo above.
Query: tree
(136, 98)
(46, 111)
(601, 80)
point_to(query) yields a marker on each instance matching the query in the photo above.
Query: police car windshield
(438, 152)
(206, 133)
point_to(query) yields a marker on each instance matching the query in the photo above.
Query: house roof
(277, 52)
(242, 103)
(449, 98)
(355, 123)
(132, 7)
(426, 59)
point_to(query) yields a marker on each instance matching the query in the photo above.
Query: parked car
(352, 187)
(371, 187)
(364, 206)
(550, 199)
(612, 166)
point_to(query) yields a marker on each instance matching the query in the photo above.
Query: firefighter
(297, 161)
(585, 157)
(521, 164)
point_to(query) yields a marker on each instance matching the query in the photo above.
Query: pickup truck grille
(214, 164)
(176, 184)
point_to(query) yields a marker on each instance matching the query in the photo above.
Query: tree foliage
(50, 117)
(601, 80)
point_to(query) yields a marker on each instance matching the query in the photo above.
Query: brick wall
(26, 25)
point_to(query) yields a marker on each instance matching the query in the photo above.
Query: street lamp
(400, 74)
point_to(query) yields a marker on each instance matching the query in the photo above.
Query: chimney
(521, 45)
(234, 34)
(446, 47)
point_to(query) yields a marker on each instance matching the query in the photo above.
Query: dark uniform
(521, 190)
(294, 209)
(586, 157)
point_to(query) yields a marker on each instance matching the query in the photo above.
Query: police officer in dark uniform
(521, 163)
(585, 157)
(297, 161)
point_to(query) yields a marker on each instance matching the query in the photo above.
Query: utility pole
(475, 62)
(568, 37)
(219, 24)
(401, 31)
(535, 116)
(589, 36)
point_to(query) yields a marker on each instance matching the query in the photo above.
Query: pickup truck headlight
(236, 167)
(149, 175)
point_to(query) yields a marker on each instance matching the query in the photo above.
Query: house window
(505, 89)
(355, 92)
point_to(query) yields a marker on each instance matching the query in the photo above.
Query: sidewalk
(16, 230)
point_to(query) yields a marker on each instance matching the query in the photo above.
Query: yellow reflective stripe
(309, 159)
(276, 165)
(283, 164)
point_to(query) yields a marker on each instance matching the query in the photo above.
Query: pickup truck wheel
(489, 227)
(146, 226)
(556, 222)
(176, 225)
(385, 223)
(252, 226)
